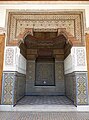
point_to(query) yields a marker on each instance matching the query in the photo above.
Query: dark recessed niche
(45, 72)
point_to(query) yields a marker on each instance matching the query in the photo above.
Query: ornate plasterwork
(14, 61)
(45, 21)
(80, 57)
(9, 56)
(76, 60)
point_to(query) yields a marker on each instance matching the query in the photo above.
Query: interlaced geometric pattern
(8, 86)
(80, 57)
(82, 89)
(9, 56)
(45, 21)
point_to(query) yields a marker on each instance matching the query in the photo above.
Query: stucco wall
(42, 5)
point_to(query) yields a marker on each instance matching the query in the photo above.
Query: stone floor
(45, 100)
(44, 115)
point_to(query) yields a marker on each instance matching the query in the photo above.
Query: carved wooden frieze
(45, 22)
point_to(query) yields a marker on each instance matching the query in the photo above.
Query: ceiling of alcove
(45, 40)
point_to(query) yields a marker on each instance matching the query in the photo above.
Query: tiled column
(30, 77)
(75, 68)
(13, 83)
(8, 88)
(81, 88)
(80, 70)
(59, 77)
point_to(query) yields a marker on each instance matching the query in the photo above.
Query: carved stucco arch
(69, 37)
(26, 32)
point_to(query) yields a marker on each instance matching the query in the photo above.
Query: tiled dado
(81, 88)
(13, 87)
(76, 87)
(8, 87)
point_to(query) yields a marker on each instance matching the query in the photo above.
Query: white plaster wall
(79, 62)
(44, 6)
(68, 64)
(76, 60)
(13, 60)
(22, 64)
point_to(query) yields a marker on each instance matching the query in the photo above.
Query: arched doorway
(45, 53)
(45, 42)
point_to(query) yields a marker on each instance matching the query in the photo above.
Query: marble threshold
(44, 108)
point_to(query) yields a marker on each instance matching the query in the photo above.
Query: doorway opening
(45, 79)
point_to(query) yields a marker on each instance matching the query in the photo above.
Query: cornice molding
(45, 2)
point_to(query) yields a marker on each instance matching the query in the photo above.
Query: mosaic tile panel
(15, 91)
(59, 77)
(30, 77)
(45, 73)
(8, 88)
(59, 87)
(74, 90)
(76, 87)
(45, 21)
(13, 87)
(81, 88)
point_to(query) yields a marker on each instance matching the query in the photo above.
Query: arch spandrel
(62, 31)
